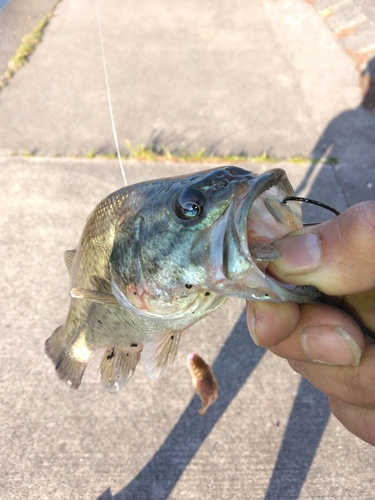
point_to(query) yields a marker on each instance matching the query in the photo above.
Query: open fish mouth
(261, 216)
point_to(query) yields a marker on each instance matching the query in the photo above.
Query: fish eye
(189, 205)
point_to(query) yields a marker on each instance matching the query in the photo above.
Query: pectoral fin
(159, 354)
(117, 366)
(95, 296)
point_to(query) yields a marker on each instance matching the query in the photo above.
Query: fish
(204, 381)
(156, 257)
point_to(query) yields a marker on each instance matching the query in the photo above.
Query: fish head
(182, 244)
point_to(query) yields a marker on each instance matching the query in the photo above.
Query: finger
(336, 256)
(270, 323)
(352, 385)
(313, 332)
(323, 334)
(358, 420)
(362, 307)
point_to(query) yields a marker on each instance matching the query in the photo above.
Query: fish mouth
(260, 216)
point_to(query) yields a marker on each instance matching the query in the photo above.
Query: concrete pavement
(188, 77)
(17, 19)
(353, 21)
(238, 77)
(269, 435)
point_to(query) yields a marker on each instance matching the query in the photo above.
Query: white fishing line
(109, 93)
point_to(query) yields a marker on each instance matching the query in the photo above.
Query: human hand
(331, 344)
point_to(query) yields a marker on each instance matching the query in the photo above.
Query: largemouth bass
(156, 257)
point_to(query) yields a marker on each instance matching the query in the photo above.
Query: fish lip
(284, 291)
(255, 189)
(238, 263)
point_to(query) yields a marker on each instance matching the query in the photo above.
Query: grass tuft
(91, 153)
(332, 160)
(27, 47)
(155, 152)
(27, 154)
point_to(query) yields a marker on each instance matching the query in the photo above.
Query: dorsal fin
(159, 354)
(68, 257)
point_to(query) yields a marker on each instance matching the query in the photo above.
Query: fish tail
(69, 368)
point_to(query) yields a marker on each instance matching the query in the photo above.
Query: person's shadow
(345, 155)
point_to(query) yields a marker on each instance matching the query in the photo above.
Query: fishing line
(108, 92)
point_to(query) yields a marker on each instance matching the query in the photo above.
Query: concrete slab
(325, 74)
(368, 8)
(17, 19)
(269, 435)
(353, 23)
(189, 76)
(358, 184)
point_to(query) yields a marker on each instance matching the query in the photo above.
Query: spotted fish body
(156, 257)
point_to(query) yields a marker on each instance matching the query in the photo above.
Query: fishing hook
(313, 202)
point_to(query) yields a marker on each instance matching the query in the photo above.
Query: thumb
(338, 256)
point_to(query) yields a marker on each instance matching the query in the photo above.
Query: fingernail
(299, 253)
(331, 345)
(250, 316)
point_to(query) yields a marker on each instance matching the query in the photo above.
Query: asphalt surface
(242, 77)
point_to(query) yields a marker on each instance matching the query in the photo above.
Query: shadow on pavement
(306, 425)
(307, 421)
(347, 149)
(349, 141)
(158, 478)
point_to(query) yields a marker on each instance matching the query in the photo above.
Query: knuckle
(362, 388)
(358, 228)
